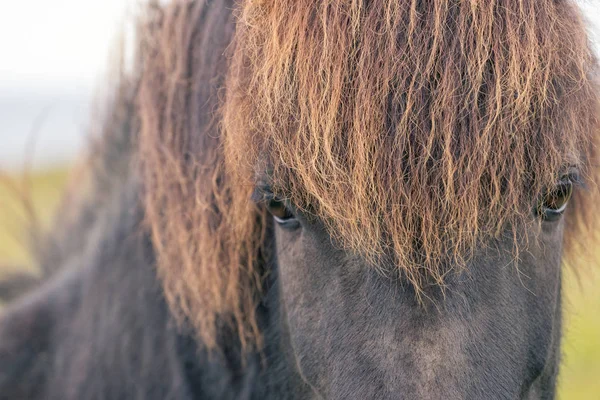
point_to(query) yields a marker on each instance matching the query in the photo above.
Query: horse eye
(280, 212)
(554, 203)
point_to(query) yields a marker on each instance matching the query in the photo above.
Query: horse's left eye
(554, 204)
(281, 214)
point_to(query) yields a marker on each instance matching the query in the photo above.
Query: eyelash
(554, 203)
(281, 213)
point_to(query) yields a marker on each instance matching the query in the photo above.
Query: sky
(53, 57)
(49, 43)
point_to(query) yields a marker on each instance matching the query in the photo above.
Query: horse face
(492, 332)
(418, 129)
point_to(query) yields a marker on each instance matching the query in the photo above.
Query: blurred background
(54, 59)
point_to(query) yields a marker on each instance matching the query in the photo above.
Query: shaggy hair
(416, 131)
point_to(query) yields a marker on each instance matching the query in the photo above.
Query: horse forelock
(416, 128)
(412, 129)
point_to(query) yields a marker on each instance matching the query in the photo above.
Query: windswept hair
(416, 130)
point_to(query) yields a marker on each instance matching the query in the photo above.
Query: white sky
(55, 42)
(54, 56)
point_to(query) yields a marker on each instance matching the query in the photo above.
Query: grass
(44, 191)
(580, 371)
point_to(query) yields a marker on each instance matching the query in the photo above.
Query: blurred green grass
(580, 370)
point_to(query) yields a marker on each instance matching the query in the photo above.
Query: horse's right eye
(281, 213)
(554, 204)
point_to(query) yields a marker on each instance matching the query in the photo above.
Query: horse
(336, 199)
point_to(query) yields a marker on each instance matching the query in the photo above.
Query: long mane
(417, 130)
(206, 232)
